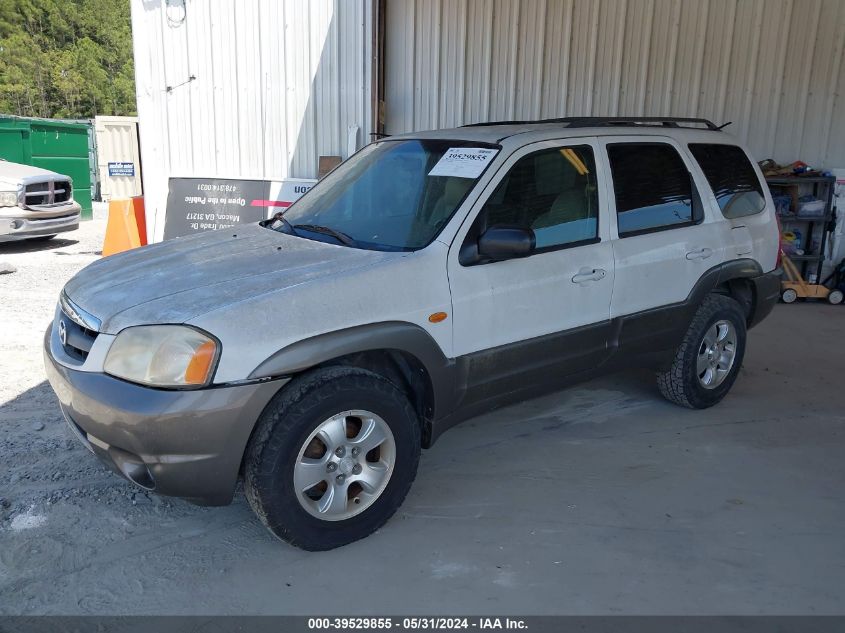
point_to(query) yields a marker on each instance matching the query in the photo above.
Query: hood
(17, 174)
(177, 280)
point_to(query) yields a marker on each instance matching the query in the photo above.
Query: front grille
(77, 339)
(63, 190)
(41, 194)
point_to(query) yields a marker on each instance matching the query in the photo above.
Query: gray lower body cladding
(504, 375)
(766, 295)
(187, 444)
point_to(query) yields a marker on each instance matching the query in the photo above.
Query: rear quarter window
(731, 177)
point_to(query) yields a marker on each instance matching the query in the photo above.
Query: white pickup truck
(35, 203)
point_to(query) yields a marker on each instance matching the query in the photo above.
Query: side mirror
(506, 242)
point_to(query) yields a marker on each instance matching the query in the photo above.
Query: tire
(835, 297)
(686, 383)
(288, 441)
(789, 295)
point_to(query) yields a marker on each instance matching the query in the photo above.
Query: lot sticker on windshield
(463, 162)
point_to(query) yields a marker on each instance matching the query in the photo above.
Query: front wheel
(332, 457)
(707, 362)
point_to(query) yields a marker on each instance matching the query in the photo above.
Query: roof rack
(589, 121)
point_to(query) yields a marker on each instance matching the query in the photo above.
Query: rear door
(664, 237)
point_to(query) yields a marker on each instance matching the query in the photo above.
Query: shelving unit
(821, 187)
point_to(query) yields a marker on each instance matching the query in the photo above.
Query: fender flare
(384, 336)
(720, 274)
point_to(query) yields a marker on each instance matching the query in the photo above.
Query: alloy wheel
(716, 354)
(344, 465)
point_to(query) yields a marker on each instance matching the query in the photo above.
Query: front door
(521, 322)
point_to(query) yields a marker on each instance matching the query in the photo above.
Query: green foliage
(66, 58)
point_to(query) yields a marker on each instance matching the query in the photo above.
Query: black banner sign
(207, 204)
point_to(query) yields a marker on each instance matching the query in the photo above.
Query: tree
(66, 58)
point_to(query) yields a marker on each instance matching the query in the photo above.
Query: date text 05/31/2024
(412, 624)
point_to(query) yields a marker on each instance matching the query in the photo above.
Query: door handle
(702, 253)
(589, 274)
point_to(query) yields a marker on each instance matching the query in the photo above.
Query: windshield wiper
(341, 237)
(273, 223)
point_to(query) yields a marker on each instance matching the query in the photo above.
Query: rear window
(652, 186)
(732, 178)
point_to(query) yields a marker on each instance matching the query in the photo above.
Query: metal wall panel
(773, 67)
(247, 89)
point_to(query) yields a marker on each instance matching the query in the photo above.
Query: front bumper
(186, 444)
(766, 295)
(23, 225)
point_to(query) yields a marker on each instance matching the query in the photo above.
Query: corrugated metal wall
(773, 67)
(254, 89)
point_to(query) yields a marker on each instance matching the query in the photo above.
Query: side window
(553, 192)
(652, 186)
(732, 178)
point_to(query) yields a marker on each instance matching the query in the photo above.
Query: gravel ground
(600, 499)
(50, 486)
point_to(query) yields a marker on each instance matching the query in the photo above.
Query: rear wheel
(707, 362)
(835, 297)
(332, 458)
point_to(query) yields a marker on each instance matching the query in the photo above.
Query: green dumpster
(60, 146)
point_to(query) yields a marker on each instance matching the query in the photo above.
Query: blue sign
(121, 169)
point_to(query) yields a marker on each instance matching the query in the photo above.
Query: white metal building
(247, 89)
(262, 88)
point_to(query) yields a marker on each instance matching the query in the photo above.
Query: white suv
(429, 278)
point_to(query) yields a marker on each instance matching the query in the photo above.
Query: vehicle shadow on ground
(14, 413)
(46, 465)
(33, 246)
(39, 453)
(32, 421)
(43, 459)
(587, 405)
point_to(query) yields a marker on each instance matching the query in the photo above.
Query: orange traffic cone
(126, 228)
(140, 218)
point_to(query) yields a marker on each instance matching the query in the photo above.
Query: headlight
(163, 356)
(8, 198)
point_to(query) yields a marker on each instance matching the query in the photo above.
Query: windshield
(392, 195)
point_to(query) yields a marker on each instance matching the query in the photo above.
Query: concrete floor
(600, 499)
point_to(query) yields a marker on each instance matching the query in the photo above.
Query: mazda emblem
(62, 332)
